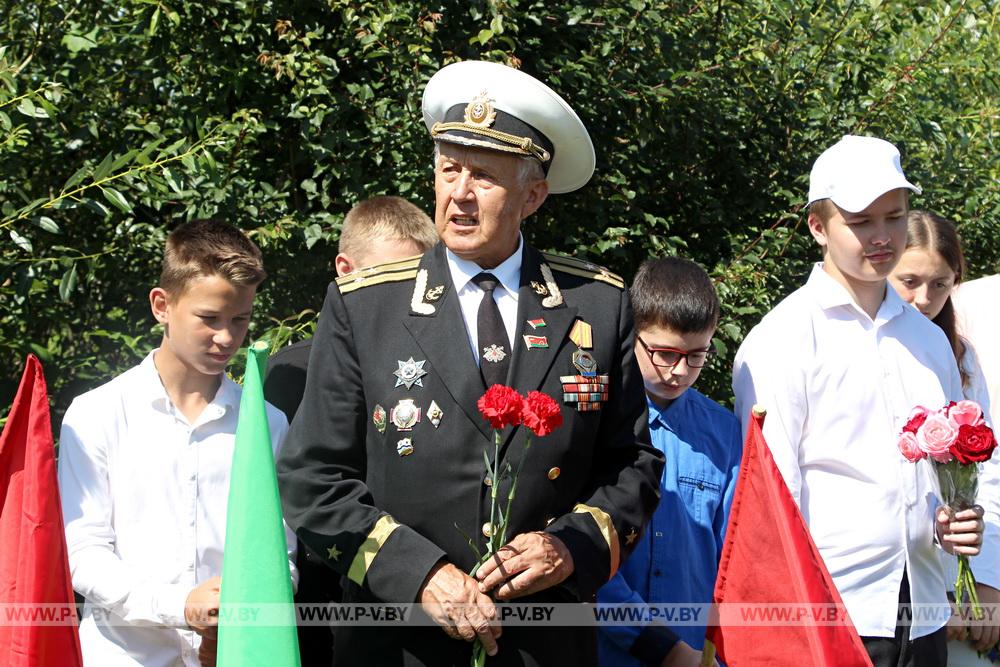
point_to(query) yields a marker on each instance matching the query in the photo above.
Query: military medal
(535, 341)
(410, 372)
(405, 415)
(494, 354)
(434, 414)
(378, 418)
(588, 390)
(404, 447)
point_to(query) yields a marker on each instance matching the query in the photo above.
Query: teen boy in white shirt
(839, 364)
(144, 463)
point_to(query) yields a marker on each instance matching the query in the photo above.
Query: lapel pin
(434, 413)
(539, 288)
(405, 415)
(378, 418)
(404, 447)
(434, 293)
(494, 354)
(535, 341)
(536, 324)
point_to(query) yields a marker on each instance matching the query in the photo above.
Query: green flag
(257, 616)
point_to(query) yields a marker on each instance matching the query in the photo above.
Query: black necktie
(494, 348)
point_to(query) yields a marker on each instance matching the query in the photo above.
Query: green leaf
(78, 43)
(116, 199)
(154, 20)
(77, 176)
(96, 206)
(104, 168)
(21, 242)
(46, 223)
(68, 283)
(28, 108)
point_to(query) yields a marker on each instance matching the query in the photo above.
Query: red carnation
(501, 406)
(541, 413)
(916, 420)
(974, 444)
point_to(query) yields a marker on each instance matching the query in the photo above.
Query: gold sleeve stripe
(370, 548)
(606, 277)
(607, 527)
(367, 281)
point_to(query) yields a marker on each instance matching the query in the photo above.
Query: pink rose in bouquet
(910, 448)
(966, 413)
(936, 436)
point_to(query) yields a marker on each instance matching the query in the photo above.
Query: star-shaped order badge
(410, 372)
(333, 553)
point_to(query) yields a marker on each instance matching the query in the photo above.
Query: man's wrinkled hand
(201, 609)
(960, 532)
(453, 599)
(529, 563)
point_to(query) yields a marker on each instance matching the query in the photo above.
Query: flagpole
(708, 654)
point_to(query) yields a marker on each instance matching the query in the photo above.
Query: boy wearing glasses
(675, 562)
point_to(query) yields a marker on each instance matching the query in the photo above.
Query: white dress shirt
(144, 497)
(838, 386)
(977, 304)
(508, 273)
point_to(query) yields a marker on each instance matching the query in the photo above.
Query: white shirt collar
(831, 294)
(151, 389)
(507, 272)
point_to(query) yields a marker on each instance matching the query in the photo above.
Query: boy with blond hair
(839, 365)
(144, 462)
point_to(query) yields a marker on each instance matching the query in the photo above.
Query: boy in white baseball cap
(839, 364)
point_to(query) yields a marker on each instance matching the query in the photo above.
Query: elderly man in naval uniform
(382, 472)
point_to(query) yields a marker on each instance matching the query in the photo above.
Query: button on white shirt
(470, 295)
(838, 386)
(144, 497)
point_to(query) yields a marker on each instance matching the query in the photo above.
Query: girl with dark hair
(929, 270)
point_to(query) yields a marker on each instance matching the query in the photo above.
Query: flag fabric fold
(257, 616)
(35, 585)
(769, 562)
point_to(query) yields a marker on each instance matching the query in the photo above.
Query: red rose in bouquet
(501, 406)
(974, 444)
(541, 413)
(917, 418)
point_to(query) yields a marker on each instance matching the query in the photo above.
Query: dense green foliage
(119, 120)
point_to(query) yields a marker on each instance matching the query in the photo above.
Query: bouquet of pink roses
(956, 438)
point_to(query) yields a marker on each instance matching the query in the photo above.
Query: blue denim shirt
(677, 557)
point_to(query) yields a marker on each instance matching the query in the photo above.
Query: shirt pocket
(701, 495)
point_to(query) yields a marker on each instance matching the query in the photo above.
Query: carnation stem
(513, 488)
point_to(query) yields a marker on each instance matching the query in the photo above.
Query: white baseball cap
(856, 171)
(495, 107)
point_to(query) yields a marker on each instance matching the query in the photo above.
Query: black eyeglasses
(668, 357)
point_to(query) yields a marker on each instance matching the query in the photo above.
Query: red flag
(770, 564)
(34, 568)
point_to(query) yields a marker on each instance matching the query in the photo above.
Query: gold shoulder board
(580, 267)
(403, 269)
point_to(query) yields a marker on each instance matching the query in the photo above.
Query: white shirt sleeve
(767, 372)
(97, 572)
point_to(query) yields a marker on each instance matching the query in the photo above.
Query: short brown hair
(387, 218)
(202, 248)
(676, 294)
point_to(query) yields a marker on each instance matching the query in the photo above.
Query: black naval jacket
(383, 517)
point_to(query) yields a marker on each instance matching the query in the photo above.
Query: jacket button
(657, 573)
(554, 473)
(488, 529)
(488, 481)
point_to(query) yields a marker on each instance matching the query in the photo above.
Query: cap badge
(410, 372)
(480, 111)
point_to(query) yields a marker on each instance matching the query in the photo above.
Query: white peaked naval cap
(499, 108)
(856, 171)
